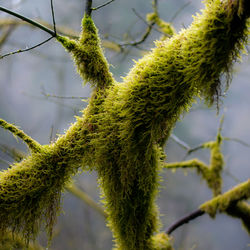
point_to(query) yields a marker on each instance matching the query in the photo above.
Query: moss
(32, 144)
(8, 241)
(225, 201)
(162, 241)
(122, 131)
(88, 55)
(241, 210)
(212, 173)
(165, 27)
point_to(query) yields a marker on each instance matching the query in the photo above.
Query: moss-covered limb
(164, 27)
(194, 163)
(241, 210)
(211, 174)
(140, 112)
(162, 241)
(72, 188)
(33, 145)
(88, 55)
(121, 129)
(227, 200)
(10, 241)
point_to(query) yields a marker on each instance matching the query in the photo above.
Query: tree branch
(25, 50)
(31, 143)
(103, 5)
(88, 8)
(184, 220)
(28, 20)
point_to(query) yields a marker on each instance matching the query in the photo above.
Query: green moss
(212, 173)
(88, 55)
(241, 210)
(162, 241)
(32, 144)
(8, 241)
(227, 200)
(122, 131)
(165, 27)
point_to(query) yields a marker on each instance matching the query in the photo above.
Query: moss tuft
(88, 55)
(162, 241)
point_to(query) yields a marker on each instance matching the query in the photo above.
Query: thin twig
(236, 140)
(143, 38)
(103, 5)
(53, 16)
(24, 50)
(28, 20)
(180, 142)
(64, 97)
(178, 11)
(184, 220)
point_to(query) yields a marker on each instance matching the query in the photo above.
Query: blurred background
(32, 90)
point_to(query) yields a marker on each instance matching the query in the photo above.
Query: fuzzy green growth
(165, 27)
(124, 127)
(212, 173)
(162, 241)
(88, 55)
(32, 144)
(241, 210)
(226, 201)
(10, 242)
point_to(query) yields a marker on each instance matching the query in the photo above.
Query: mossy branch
(33, 145)
(125, 126)
(88, 55)
(231, 203)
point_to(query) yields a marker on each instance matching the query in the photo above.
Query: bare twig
(64, 97)
(184, 220)
(180, 142)
(236, 140)
(143, 38)
(25, 50)
(103, 5)
(28, 20)
(53, 16)
(178, 11)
